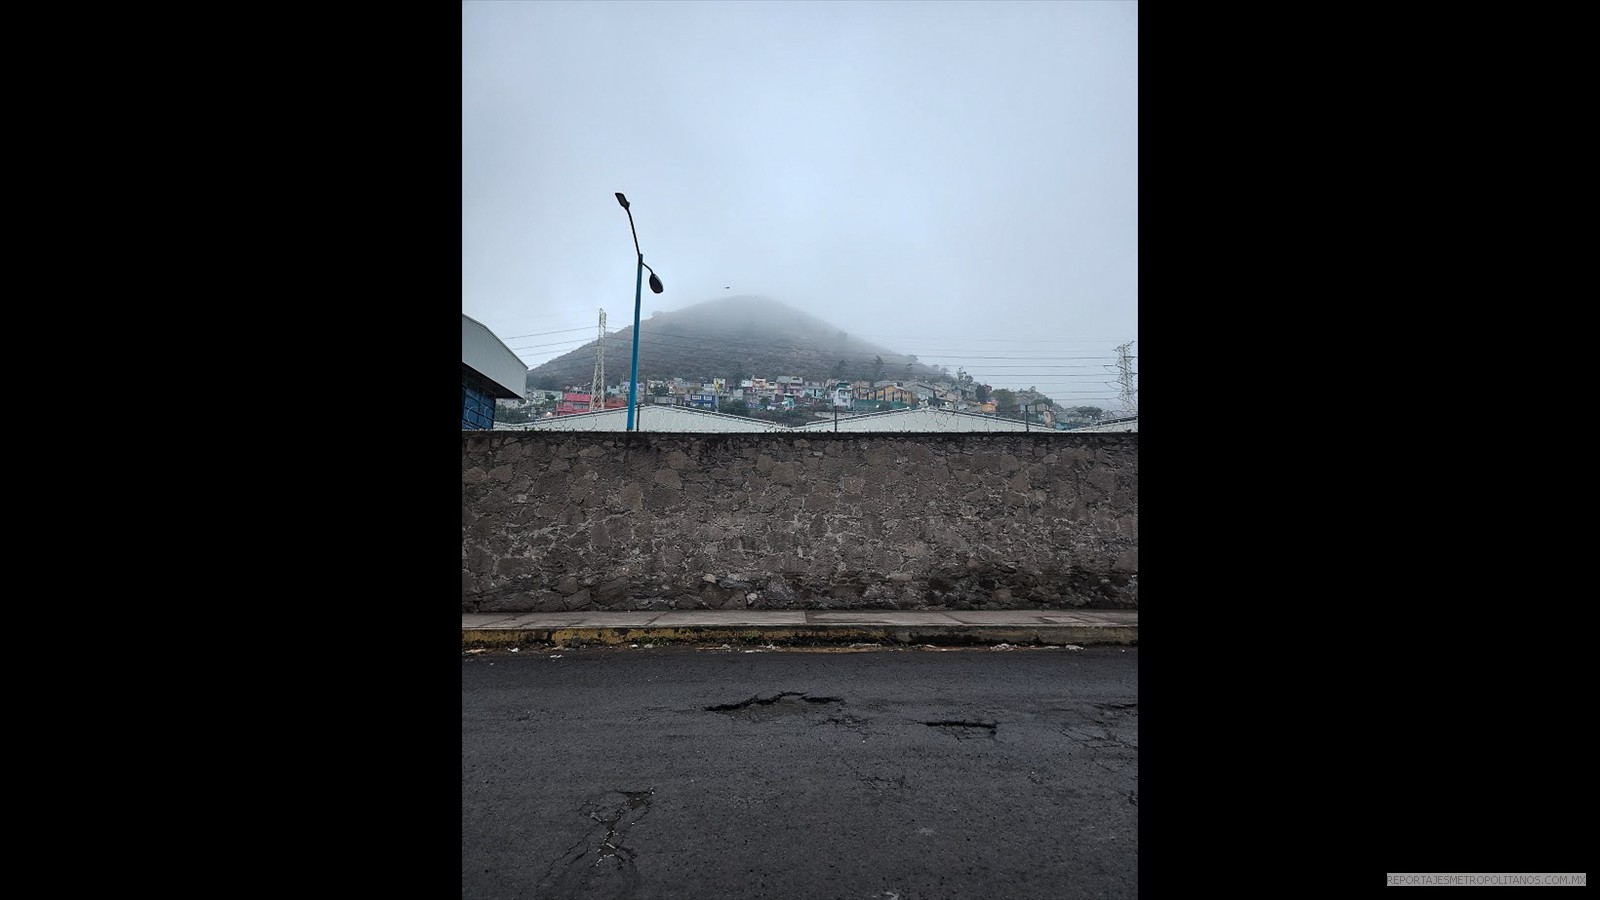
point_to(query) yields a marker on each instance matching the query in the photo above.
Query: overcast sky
(957, 180)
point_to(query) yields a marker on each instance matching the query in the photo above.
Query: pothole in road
(962, 730)
(600, 863)
(778, 704)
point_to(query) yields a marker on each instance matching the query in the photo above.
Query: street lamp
(638, 286)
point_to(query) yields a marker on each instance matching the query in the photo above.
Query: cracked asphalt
(894, 774)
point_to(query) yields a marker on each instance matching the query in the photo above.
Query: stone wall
(555, 521)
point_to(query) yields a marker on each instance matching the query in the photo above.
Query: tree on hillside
(1092, 412)
(737, 408)
(982, 391)
(838, 370)
(504, 412)
(1005, 402)
(877, 369)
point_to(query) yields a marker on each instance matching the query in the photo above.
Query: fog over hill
(739, 336)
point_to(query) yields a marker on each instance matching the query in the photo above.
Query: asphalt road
(889, 774)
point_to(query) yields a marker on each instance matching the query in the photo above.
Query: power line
(895, 337)
(825, 351)
(986, 367)
(859, 354)
(1033, 367)
(902, 337)
(579, 341)
(543, 333)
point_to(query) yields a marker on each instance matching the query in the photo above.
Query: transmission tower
(1130, 401)
(598, 385)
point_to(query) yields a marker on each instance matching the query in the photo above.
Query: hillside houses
(794, 399)
(780, 392)
(683, 420)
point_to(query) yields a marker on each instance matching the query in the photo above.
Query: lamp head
(623, 200)
(655, 283)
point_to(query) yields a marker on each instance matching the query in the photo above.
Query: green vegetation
(1005, 403)
(515, 415)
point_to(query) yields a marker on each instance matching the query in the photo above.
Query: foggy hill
(727, 337)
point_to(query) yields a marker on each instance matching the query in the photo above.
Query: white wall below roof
(682, 420)
(921, 420)
(1129, 425)
(657, 419)
(492, 359)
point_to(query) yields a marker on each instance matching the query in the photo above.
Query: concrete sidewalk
(1022, 626)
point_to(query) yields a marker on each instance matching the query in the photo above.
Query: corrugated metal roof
(490, 357)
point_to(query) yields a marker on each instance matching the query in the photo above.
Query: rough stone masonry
(554, 521)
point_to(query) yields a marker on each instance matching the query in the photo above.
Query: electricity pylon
(598, 385)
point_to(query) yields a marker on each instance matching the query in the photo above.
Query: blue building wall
(477, 403)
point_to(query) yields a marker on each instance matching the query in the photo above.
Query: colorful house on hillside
(890, 392)
(841, 395)
(572, 402)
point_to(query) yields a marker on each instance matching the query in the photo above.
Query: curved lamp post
(638, 285)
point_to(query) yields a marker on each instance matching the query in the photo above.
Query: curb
(808, 634)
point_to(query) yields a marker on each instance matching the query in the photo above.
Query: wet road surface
(891, 774)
